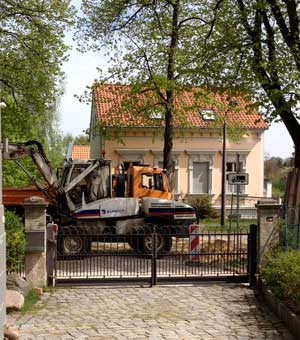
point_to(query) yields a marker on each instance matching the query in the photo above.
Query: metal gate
(155, 257)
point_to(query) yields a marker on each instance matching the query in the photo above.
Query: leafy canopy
(158, 47)
(31, 54)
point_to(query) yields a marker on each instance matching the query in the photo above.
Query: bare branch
(128, 21)
(191, 19)
(215, 9)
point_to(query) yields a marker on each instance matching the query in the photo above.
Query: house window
(208, 114)
(156, 115)
(200, 172)
(231, 167)
(200, 177)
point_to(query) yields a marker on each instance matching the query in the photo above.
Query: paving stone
(221, 312)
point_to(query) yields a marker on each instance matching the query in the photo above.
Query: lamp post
(2, 245)
(223, 193)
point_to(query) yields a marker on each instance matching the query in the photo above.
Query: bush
(15, 240)
(282, 275)
(203, 207)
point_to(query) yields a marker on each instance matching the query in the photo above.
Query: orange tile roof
(116, 106)
(80, 152)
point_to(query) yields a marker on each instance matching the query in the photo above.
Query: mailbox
(52, 230)
(35, 241)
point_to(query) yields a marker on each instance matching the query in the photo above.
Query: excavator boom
(33, 149)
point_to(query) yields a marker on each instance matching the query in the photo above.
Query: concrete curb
(290, 319)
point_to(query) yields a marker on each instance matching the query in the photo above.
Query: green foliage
(15, 240)
(30, 302)
(13, 176)
(32, 52)
(158, 47)
(282, 275)
(81, 140)
(279, 186)
(203, 207)
(276, 170)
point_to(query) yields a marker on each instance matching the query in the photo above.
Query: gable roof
(80, 152)
(116, 106)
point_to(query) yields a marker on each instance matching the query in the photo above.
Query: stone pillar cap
(268, 203)
(34, 200)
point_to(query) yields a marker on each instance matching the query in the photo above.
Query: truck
(89, 199)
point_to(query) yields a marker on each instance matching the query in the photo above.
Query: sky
(81, 71)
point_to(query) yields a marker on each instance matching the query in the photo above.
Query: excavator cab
(86, 181)
(141, 181)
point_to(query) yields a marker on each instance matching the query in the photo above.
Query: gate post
(52, 230)
(268, 228)
(35, 232)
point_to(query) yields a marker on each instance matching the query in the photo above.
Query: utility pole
(238, 170)
(2, 245)
(223, 203)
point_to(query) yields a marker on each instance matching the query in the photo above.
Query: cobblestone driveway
(165, 312)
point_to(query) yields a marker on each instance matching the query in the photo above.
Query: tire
(72, 246)
(143, 245)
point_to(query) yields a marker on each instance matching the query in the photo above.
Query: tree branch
(12, 90)
(128, 21)
(292, 36)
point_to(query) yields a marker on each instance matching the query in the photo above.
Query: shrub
(15, 240)
(203, 207)
(282, 275)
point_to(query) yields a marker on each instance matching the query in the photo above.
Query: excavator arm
(34, 149)
(81, 180)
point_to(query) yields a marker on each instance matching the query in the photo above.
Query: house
(127, 137)
(79, 152)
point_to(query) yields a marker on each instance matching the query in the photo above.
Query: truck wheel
(71, 246)
(144, 244)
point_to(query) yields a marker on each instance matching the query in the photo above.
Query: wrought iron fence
(154, 256)
(15, 265)
(290, 227)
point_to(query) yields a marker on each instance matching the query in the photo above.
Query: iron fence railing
(155, 256)
(241, 210)
(290, 227)
(16, 265)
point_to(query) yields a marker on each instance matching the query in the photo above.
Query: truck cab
(142, 181)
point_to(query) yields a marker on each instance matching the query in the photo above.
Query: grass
(214, 224)
(30, 302)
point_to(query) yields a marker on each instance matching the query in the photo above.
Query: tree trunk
(297, 153)
(168, 136)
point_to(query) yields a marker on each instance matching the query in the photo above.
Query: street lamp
(223, 192)
(2, 244)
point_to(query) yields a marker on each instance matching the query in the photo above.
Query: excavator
(89, 199)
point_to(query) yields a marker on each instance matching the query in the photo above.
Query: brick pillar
(268, 228)
(35, 252)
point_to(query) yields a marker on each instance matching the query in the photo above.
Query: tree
(152, 45)
(266, 43)
(31, 54)
(275, 39)
(81, 140)
(261, 52)
(273, 167)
